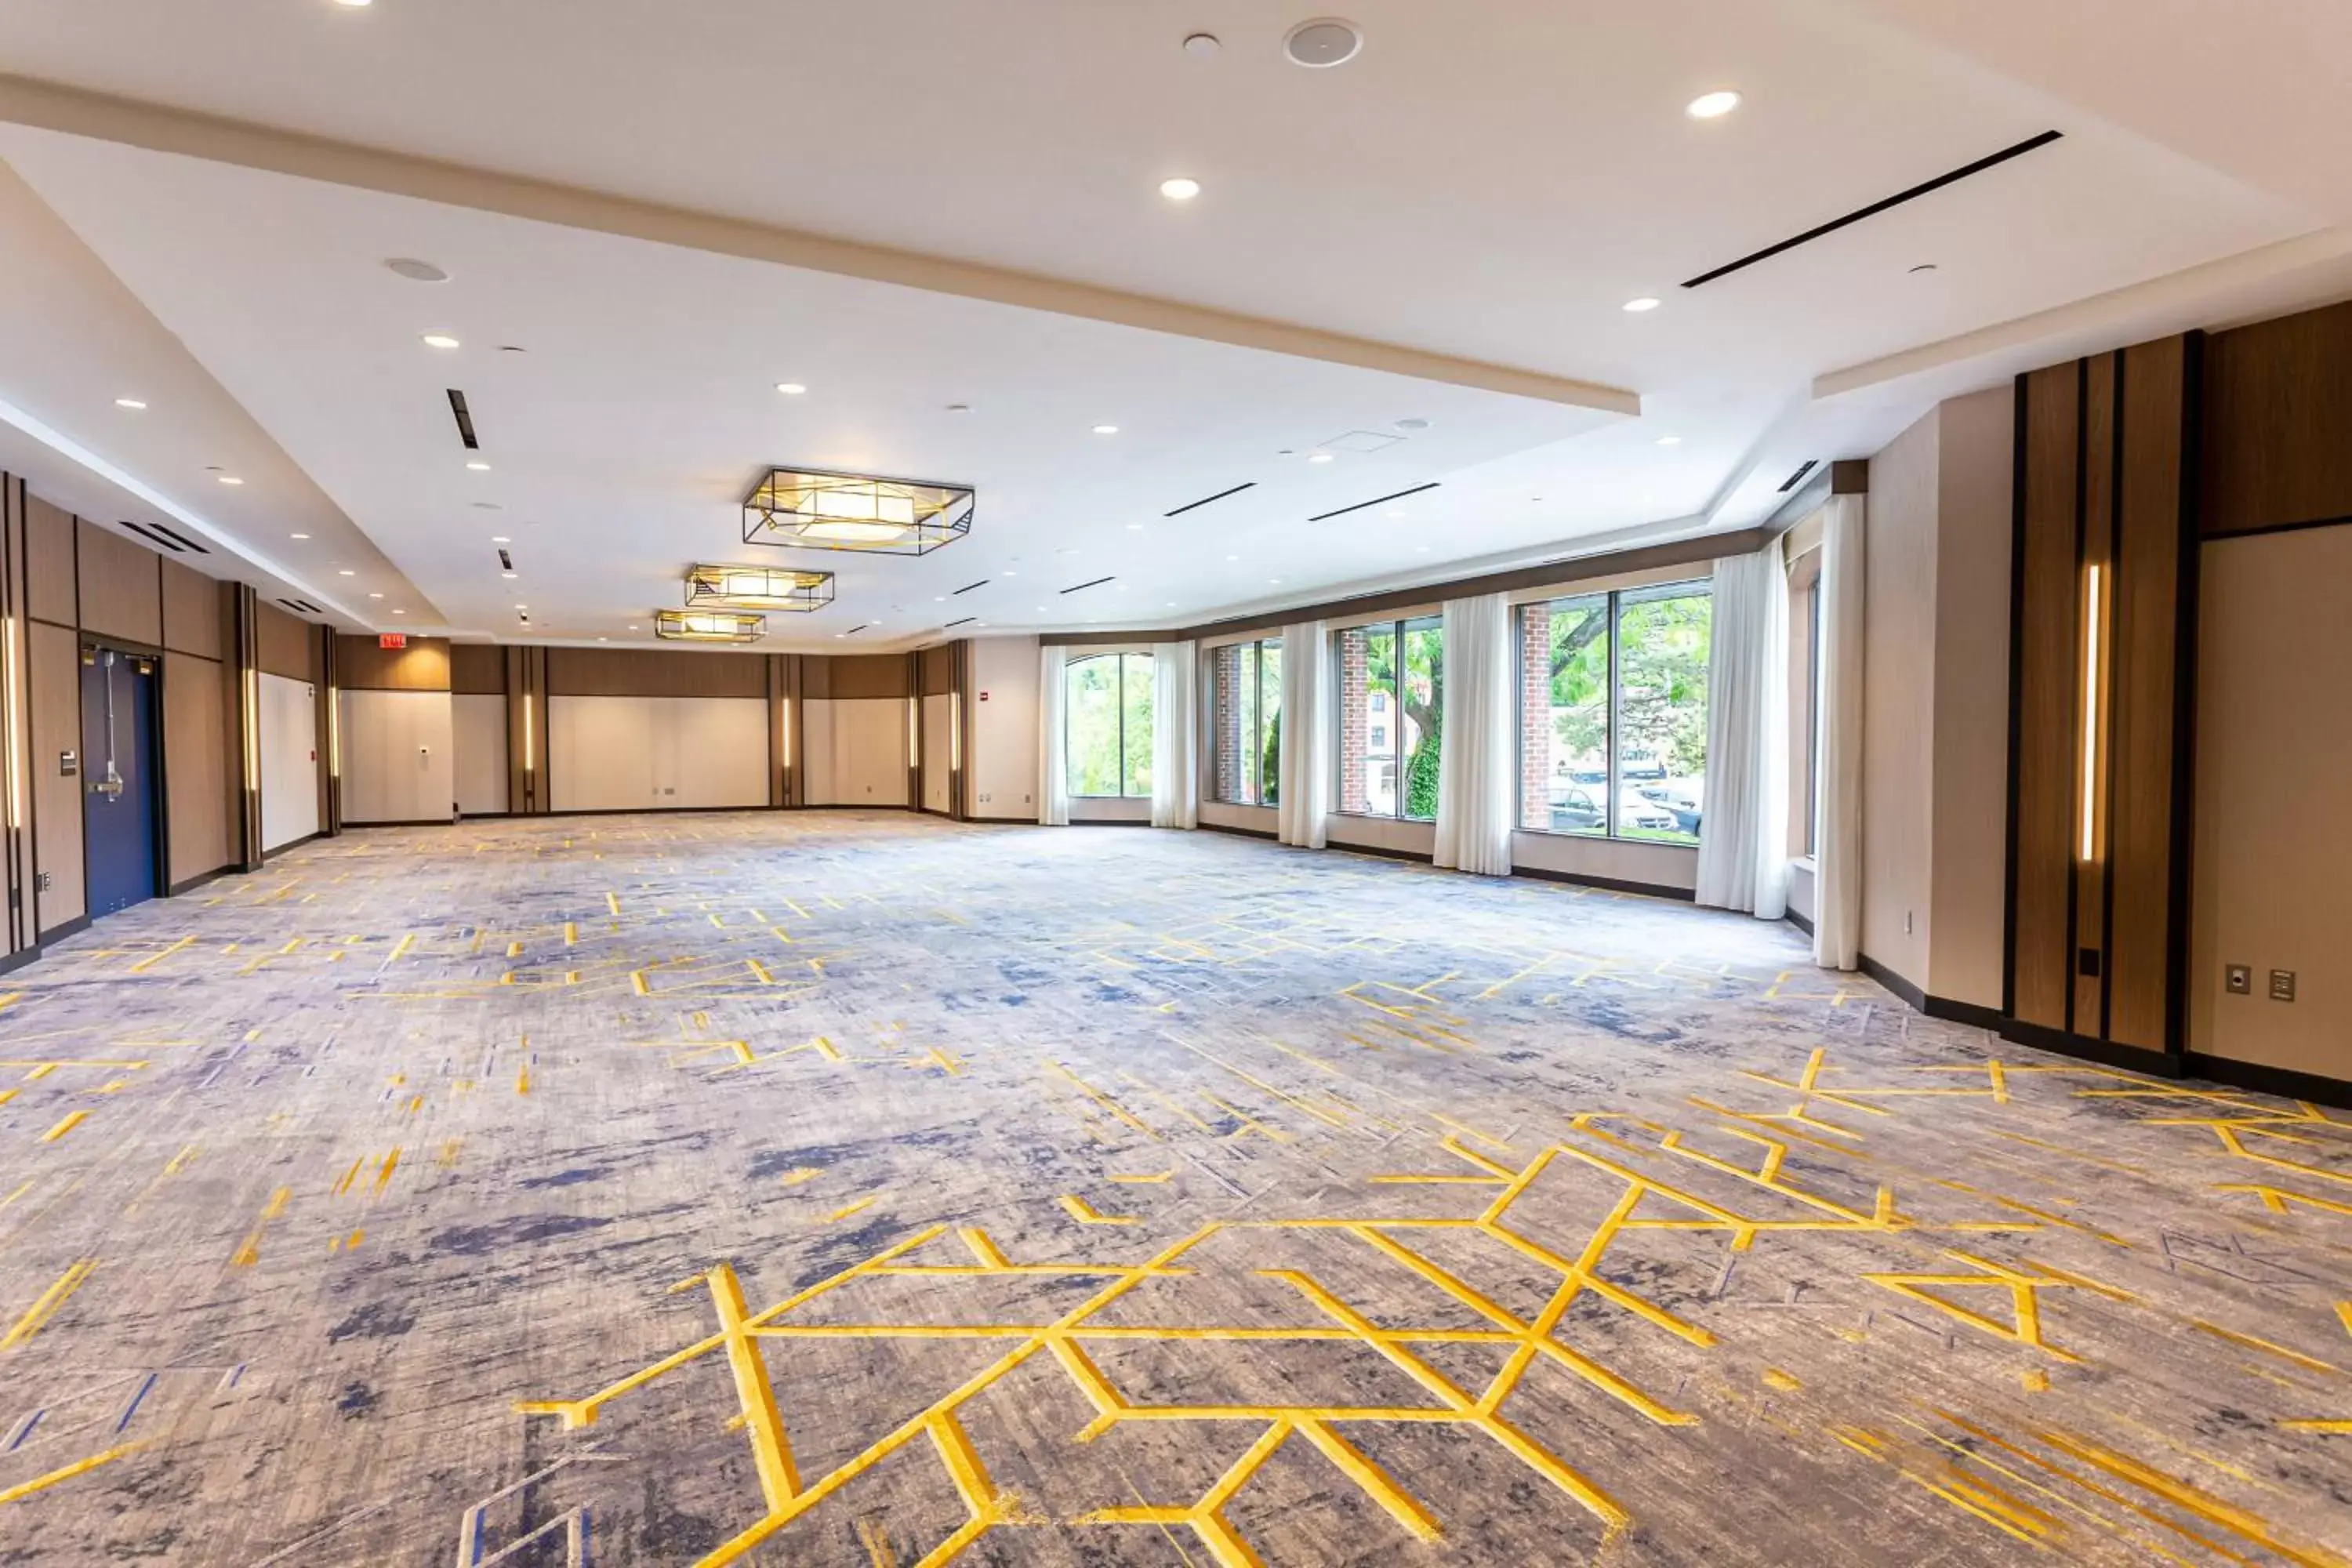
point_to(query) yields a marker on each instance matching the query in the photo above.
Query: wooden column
(244, 666)
(16, 869)
(2102, 648)
(527, 793)
(331, 735)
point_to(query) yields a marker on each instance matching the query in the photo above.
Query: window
(1612, 713)
(1804, 676)
(1249, 722)
(1107, 742)
(1392, 713)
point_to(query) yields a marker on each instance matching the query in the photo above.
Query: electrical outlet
(2281, 985)
(42, 882)
(2239, 979)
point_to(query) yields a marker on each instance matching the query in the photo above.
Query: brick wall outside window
(1535, 716)
(1230, 772)
(1355, 679)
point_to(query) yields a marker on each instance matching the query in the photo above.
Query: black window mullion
(1616, 738)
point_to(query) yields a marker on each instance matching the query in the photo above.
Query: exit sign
(391, 640)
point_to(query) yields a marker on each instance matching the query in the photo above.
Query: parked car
(1635, 813)
(1641, 765)
(1681, 796)
(1576, 809)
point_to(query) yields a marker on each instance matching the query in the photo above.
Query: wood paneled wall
(853, 676)
(2277, 426)
(364, 664)
(285, 644)
(2105, 483)
(478, 669)
(648, 672)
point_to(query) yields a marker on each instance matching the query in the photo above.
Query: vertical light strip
(530, 754)
(2092, 632)
(914, 731)
(252, 730)
(788, 734)
(334, 733)
(955, 736)
(15, 739)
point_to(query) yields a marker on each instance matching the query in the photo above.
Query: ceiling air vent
(506, 562)
(1875, 208)
(1376, 500)
(968, 587)
(156, 533)
(465, 417)
(1204, 501)
(965, 622)
(1084, 587)
(1793, 480)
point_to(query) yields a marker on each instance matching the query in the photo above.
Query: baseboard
(2286, 1082)
(1241, 832)
(1915, 996)
(415, 822)
(199, 879)
(1802, 923)
(1108, 822)
(1419, 857)
(1005, 821)
(1612, 884)
(16, 961)
(1969, 1013)
(269, 855)
(2106, 1053)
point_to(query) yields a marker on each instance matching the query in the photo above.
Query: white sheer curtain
(1306, 723)
(1175, 731)
(1743, 853)
(1477, 768)
(1837, 912)
(1053, 722)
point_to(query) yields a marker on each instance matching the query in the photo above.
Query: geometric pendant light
(810, 509)
(709, 625)
(757, 588)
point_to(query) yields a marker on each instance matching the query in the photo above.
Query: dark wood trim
(409, 822)
(2286, 1082)
(292, 844)
(1241, 832)
(2108, 1053)
(2082, 517)
(1849, 477)
(2269, 529)
(191, 884)
(1420, 856)
(2189, 588)
(1969, 1013)
(1074, 822)
(1803, 922)
(1913, 997)
(1559, 574)
(1610, 884)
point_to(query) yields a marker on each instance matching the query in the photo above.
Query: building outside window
(1391, 718)
(1107, 719)
(1248, 677)
(1612, 713)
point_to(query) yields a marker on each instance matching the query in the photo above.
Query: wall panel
(122, 587)
(398, 756)
(284, 644)
(191, 611)
(2277, 423)
(195, 761)
(478, 748)
(51, 593)
(477, 669)
(53, 668)
(2044, 688)
(647, 672)
(656, 753)
(857, 750)
(364, 664)
(1001, 749)
(289, 759)
(937, 778)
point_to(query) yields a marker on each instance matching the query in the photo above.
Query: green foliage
(1421, 775)
(1105, 693)
(1270, 762)
(1662, 677)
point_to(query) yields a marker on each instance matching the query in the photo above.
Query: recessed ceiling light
(1135, 528)
(230, 479)
(1106, 429)
(1319, 457)
(500, 539)
(1712, 105)
(128, 402)
(347, 571)
(1277, 581)
(298, 536)
(356, 5)
(400, 612)
(375, 595)
(1180, 189)
(1203, 44)
(408, 266)
(1670, 440)
(1393, 512)
(632, 628)
(508, 576)
(439, 340)
(478, 466)
(1421, 549)
(522, 607)
(1645, 303)
(939, 598)
(1322, 43)
(1008, 572)
(1233, 558)
(790, 388)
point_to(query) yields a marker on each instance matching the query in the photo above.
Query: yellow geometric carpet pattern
(865, 1190)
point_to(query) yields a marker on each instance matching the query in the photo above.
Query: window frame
(1612, 604)
(1250, 653)
(1397, 628)
(1119, 658)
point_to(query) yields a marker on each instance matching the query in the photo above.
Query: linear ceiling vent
(1376, 500)
(2030, 144)
(156, 532)
(1793, 480)
(1082, 587)
(968, 587)
(506, 562)
(302, 606)
(965, 622)
(856, 629)
(465, 416)
(1204, 501)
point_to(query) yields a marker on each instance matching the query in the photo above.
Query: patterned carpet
(838, 1189)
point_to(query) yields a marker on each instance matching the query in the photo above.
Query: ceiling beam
(25, 100)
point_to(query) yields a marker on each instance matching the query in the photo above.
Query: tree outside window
(1108, 726)
(1392, 717)
(1613, 731)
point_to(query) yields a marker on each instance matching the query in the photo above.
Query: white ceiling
(1488, 181)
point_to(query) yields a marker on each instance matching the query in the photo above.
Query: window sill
(1380, 817)
(1144, 798)
(1804, 863)
(1603, 839)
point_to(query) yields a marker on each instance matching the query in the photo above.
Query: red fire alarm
(391, 640)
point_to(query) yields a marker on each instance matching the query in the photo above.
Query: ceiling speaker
(1327, 41)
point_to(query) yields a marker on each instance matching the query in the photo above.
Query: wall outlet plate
(2281, 985)
(2239, 979)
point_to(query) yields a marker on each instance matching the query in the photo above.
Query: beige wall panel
(713, 750)
(289, 759)
(398, 757)
(2273, 860)
(857, 751)
(478, 742)
(191, 611)
(53, 668)
(656, 753)
(1975, 485)
(122, 587)
(1898, 702)
(938, 773)
(599, 753)
(51, 593)
(1003, 747)
(197, 764)
(284, 643)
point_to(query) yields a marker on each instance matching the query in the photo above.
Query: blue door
(119, 796)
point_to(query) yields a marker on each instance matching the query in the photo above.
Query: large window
(1391, 718)
(1107, 725)
(1612, 713)
(1249, 722)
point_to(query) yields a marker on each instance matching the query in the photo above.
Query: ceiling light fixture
(346, 571)
(375, 595)
(478, 466)
(128, 402)
(1319, 457)
(1636, 307)
(230, 479)
(1180, 189)
(439, 340)
(1203, 44)
(356, 5)
(813, 510)
(757, 588)
(508, 576)
(1670, 440)
(1322, 43)
(298, 536)
(790, 388)
(1106, 429)
(400, 612)
(500, 539)
(1712, 105)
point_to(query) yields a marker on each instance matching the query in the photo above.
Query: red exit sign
(391, 639)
